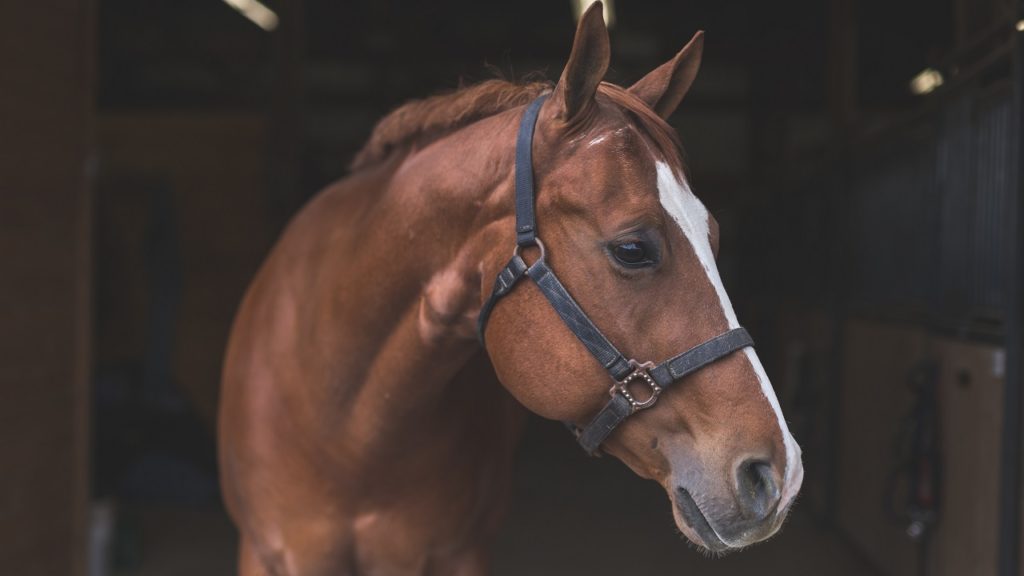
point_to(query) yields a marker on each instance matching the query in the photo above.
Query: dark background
(150, 152)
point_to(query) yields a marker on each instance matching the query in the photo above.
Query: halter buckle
(640, 373)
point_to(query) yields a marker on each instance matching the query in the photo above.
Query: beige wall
(876, 401)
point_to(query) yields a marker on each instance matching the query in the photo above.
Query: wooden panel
(212, 168)
(46, 111)
(970, 398)
(875, 400)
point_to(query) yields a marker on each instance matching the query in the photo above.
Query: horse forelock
(659, 133)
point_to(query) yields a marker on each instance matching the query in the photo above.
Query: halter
(625, 373)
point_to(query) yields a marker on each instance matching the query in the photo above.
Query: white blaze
(691, 216)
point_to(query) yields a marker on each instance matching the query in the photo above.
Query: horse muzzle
(751, 511)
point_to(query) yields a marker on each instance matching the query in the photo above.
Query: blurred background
(862, 157)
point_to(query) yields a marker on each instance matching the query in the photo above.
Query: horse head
(637, 250)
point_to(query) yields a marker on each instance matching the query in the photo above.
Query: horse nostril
(756, 489)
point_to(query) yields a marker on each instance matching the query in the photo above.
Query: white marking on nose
(692, 217)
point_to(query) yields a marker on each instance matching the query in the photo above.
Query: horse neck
(434, 222)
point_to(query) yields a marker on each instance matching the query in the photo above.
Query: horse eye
(633, 254)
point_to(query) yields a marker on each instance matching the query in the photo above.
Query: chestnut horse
(365, 430)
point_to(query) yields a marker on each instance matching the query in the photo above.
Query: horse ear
(587, 65)
(664, 87)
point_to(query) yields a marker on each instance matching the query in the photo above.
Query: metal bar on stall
(1010, 456)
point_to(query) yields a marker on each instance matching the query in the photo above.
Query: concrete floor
(571, 515)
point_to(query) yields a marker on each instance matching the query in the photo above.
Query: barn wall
(971, 381)
(46, 111)
(876, 399)
(882, 364)
(185, 219)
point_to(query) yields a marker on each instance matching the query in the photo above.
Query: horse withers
(365, 429)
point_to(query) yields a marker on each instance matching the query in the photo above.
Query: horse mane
(420, 122)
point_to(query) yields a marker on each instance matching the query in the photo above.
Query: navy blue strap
(613, 413)
(665, 374)
(568, 310)
(700, 356)
(526, 221)
(578, 322)
(503, 284)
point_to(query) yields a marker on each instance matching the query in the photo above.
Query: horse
(367, 428)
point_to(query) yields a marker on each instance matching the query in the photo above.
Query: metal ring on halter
(639, 373)
(540, 245)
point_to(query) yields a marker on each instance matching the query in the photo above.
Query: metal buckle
(639, 373)
(539, 244)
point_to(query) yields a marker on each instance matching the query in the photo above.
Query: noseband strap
(626, 374)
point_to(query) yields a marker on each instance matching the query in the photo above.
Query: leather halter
(625, 373)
